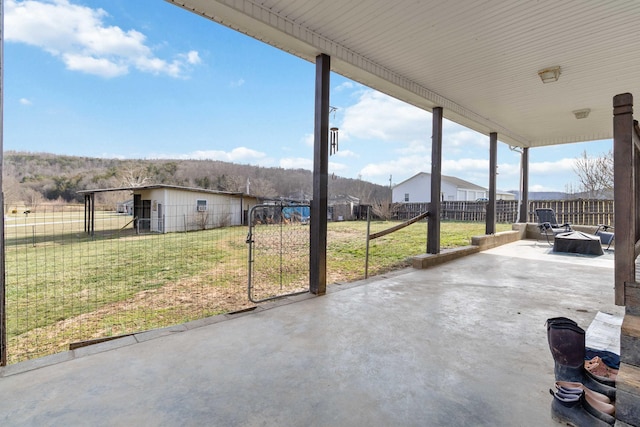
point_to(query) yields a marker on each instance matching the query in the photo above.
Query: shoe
(600, 371)
(574, 410)
(577, 388)
(566, 342)
(594, 399)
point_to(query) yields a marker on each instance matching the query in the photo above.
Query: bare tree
(132, 175)
(595, 173)
(33, 198)
(383, 209)
(262, 188)
(12, 193)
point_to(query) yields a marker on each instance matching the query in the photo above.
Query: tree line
(34, 178)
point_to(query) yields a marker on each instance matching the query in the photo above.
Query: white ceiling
(476, 58)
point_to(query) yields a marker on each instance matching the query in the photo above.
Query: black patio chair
(548, 224)
(606, 234)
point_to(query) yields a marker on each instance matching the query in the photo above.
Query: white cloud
(237, 155)
(79, 37)
(98, 66)
(560, 166)
(308, 140)
(25, 101)
(461, 138)
(455, 167)
(346, 153)
(415, 147)
(381, 117)
(537, 187)
(344, 86)
(296, 163)
(337, 167)
(193, 57)
(401, 168)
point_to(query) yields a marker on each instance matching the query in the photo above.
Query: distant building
(342, 208)
(417, 189)
(125, 207)
(505, 195)
(170, 208)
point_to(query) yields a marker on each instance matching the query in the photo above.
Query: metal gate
(278, 251)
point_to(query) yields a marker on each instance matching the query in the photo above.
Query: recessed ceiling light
(582, 114)
(550, 74)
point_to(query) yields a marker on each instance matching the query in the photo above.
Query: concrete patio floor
(460, 344)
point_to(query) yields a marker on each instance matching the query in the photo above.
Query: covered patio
(463, 343)
(458, 344)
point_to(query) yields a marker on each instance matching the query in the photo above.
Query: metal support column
(318, 229)
(524, 191)
(493, 171)
(89, 213)
(433, 233)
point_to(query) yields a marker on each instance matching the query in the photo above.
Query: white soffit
(478, 59)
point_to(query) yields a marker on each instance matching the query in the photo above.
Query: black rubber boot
(559, 321)
(566, 342)
(571, 409)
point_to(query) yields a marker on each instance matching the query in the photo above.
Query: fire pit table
(578, 242)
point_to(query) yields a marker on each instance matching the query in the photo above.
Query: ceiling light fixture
(582, 114)
(549, 75)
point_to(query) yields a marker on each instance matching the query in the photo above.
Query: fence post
(366, 256)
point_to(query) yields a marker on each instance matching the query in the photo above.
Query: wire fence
(65, 286)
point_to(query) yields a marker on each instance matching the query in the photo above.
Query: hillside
(33, 178)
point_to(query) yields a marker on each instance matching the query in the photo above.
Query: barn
(170, 208)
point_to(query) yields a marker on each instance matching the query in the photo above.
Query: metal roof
(478, 59)
(163, 186)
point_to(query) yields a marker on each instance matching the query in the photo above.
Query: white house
(417, 189)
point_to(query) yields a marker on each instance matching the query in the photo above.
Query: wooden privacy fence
(579, 211)
(506, 211)
(582, 212)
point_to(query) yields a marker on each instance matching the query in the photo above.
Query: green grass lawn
(64, 286)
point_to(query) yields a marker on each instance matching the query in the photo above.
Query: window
(201, 205)
(406, 197)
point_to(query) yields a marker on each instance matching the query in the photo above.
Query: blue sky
(146, 79)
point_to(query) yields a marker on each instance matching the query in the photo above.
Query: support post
(623, 194)
(524, 191)
(493, 171)
(318, 228)
(433, 233)
(3, 294)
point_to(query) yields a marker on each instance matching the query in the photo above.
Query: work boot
(572, 409)
(566, 342)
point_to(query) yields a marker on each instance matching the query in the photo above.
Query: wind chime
(333, 134)
(333, 141)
